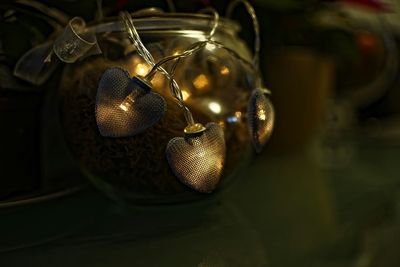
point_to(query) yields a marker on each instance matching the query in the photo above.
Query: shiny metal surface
(126, 106)
(260, 119)
(198, 158)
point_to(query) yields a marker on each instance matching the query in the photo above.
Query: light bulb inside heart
(126, 106)
(260, 119)
(197, 160)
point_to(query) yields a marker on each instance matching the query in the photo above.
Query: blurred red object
(121, 3)
(375, 5)
(369, 43)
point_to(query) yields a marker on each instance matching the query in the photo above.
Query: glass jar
(215, 86)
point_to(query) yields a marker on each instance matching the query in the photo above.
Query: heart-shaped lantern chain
(260, 118)
(126, 106)
(197, 159)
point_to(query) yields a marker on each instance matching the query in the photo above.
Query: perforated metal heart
(260, 119)
(113, 121)
(198, 160)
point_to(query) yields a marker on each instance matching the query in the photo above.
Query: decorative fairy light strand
(198, 158)
(260, 110)
(142, 50)
(137, 42)
(215, 22)
(256, 28)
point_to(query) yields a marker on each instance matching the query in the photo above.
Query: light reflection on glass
(185, 94)
(210, 47)
(201, 82)
(232, 119)
(224, 70)
(215, 107)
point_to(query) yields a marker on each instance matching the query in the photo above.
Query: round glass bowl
(215, 85)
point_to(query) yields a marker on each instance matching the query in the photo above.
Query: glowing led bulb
(142, 69)
(198, 158)
(126, 105)
(128, 101)
(261, 114)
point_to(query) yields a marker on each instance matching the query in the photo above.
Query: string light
(198, 158)
(126, 106)
(126, 103)
(260, 111)
(261, 118)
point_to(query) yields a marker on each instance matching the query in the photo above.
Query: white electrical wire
(175, 89)
(256, 27)
(144, 52)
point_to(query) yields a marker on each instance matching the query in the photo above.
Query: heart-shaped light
(197, 160)
(126, 106)
(260, 118)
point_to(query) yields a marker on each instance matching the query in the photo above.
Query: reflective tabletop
(286, 209)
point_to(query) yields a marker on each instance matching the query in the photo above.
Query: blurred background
(324, 192)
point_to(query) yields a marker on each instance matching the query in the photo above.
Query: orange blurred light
(201, 82)
(224, 70)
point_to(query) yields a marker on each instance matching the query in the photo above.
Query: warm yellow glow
(142, 69)
(221, 123)
(210, 47)
(158, 82)
(238, 114)
(224, 70)
(214, 107)
(219, 163)
(261, 114)
(136, 66)
(201, 153)
(200, 82)
(128, 102)
(123, 107)
(185, 94)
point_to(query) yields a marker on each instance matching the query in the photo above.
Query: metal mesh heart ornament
(114, 119)
(260, 118)
(198, 160)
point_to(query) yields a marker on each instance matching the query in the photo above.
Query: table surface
(319, 206)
